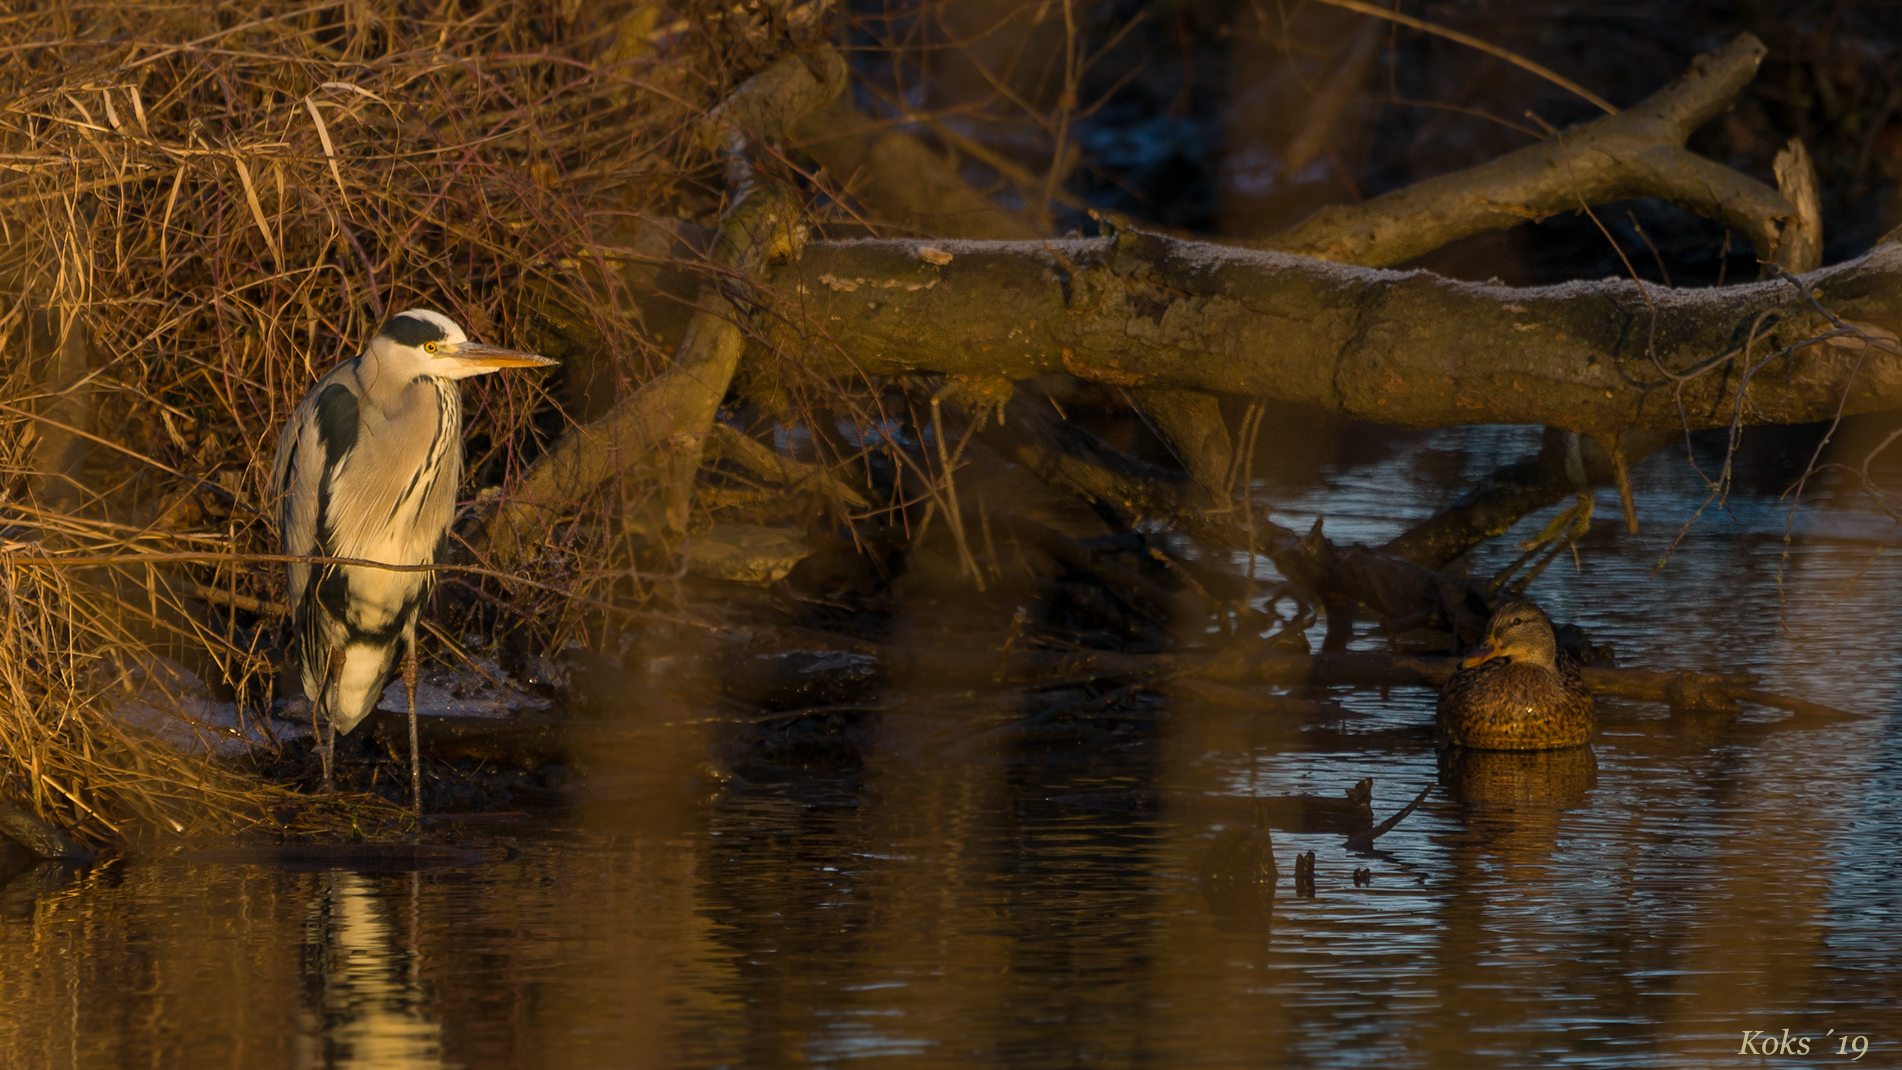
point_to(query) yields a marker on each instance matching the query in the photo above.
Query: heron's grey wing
(311, 447)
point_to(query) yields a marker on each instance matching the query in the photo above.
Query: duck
(1515, 691)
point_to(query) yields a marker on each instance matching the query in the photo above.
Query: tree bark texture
(1145, 311)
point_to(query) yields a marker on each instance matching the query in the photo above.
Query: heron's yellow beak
(1485, 651)
(491, 358)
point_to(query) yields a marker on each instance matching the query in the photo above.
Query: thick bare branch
(1501, 498)
(1141, 310)
(663, 426)
(1637, 153)
(768, 105)
(1192, 424)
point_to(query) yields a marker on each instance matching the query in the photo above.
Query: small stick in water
(1360, 841)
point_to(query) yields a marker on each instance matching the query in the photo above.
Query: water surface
(1691, 880)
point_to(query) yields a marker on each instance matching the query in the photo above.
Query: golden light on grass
(203, 211)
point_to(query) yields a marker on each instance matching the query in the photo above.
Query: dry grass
(211, 205)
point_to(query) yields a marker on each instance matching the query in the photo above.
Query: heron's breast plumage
(391, 496)
(365, 470)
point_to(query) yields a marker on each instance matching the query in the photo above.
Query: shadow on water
(1645, 901)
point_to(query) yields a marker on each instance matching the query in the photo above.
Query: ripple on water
(1700, 879)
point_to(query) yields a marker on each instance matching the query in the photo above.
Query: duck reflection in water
(1512, 800)
(363, 1004)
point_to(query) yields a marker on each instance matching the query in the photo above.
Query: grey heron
(368, 468)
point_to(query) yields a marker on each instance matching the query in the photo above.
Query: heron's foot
(324, 751)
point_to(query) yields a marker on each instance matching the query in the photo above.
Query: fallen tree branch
(1636, 153)
(1410, 348)
(744, 450)
(1158, 314)
(1639, 152)
(668, 419)
(1505, 495)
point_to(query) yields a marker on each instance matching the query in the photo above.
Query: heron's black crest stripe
(412, 330)
(336, 422)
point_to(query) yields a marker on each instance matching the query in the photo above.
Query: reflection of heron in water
(363, 1005)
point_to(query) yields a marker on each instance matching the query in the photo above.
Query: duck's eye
(430, 347)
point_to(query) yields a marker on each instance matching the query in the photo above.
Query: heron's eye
(430, 347)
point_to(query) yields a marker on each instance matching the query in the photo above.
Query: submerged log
(976, 670)
(40, 837)
(1361, 841)
(1345, 815)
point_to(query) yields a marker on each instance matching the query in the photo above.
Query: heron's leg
(317, 736)
(415, 751)
(320, 715)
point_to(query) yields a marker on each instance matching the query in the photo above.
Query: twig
(1470, 41)
(1360, 841)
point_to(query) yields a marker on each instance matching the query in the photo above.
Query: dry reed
(206, 206)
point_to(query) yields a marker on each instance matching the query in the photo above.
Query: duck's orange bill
(1482, 652)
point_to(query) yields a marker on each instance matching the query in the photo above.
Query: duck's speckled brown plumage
(1515, 702)
(1507, 705)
